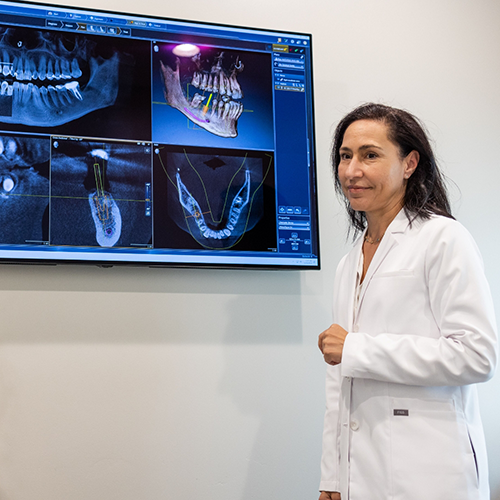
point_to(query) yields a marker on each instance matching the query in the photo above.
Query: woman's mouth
(356, 189)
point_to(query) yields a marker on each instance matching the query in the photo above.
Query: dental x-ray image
(212, 97)
(100, 193)
(24, 189)
(68, 82)
(213, 201)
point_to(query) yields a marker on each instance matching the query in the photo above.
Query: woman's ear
(411, 163)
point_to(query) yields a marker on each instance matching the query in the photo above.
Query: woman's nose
(354, 169)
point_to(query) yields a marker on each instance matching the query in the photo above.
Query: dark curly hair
(425, 190)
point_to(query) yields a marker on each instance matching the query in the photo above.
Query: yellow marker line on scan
(98, 179)
(205, 108)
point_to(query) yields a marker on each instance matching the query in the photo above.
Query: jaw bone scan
(205, 88)
(215, 199)
(99, 192)
(105, 212)
(24, 189)
(49, 79)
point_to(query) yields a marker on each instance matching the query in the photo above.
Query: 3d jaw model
(44, 86)
(236, 224)
(216, 108)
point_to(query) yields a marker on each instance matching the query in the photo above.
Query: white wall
(175, 384)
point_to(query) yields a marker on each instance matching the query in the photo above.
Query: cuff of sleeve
(329, 486)
(352, 347)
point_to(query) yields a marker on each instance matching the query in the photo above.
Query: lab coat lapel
(397, 227)
(350, 284)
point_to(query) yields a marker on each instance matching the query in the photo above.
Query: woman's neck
(377, 224)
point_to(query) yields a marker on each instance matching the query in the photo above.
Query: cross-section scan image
(67, 81)
(24, 189)
(100, 193)
(213, 201)
(212, 97)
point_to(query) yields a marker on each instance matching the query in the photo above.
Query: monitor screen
(130, 139)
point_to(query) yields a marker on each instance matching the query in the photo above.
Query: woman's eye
(345, 156)
(371, 156)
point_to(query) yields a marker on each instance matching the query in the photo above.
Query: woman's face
(371, 171)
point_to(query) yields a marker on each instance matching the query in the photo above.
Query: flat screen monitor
(131, 139)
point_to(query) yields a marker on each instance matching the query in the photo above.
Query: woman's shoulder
(440, 226)
(441, 232)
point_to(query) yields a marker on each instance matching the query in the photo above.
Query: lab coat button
(354, 425)
(355, 329)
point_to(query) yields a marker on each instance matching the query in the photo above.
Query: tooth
(65, 69)
(24, 70)
(7, 65)
(44, 94)
(204, 81)
(210, 83)
(32, 68)
(15, 68)
(76, 72)
(214, 107)
(42, 68)
(3, 88)
(57, 70)
(240, 110)
(75, 88)
(196, 79)
(222, 83)
(232, 108)
(20, 69)
(221, 109)
(27, 70)
(10, 90)
(7, 70)
(27, 90)
(63, 94)
(197, 100)
(235, 87)
(216, 83)
(35, 92)
(50, 70)
(54, 95)
(227, 107)
(237, 111)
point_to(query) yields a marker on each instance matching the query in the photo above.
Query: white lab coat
(402, 419)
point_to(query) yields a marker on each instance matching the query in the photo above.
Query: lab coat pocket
(431, 451)
(401, 273)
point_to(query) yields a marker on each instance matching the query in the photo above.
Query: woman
(415, 326)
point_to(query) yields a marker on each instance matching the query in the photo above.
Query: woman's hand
(331, 344)
(329, 495)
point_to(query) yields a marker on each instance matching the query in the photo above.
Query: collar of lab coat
(392, 236)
